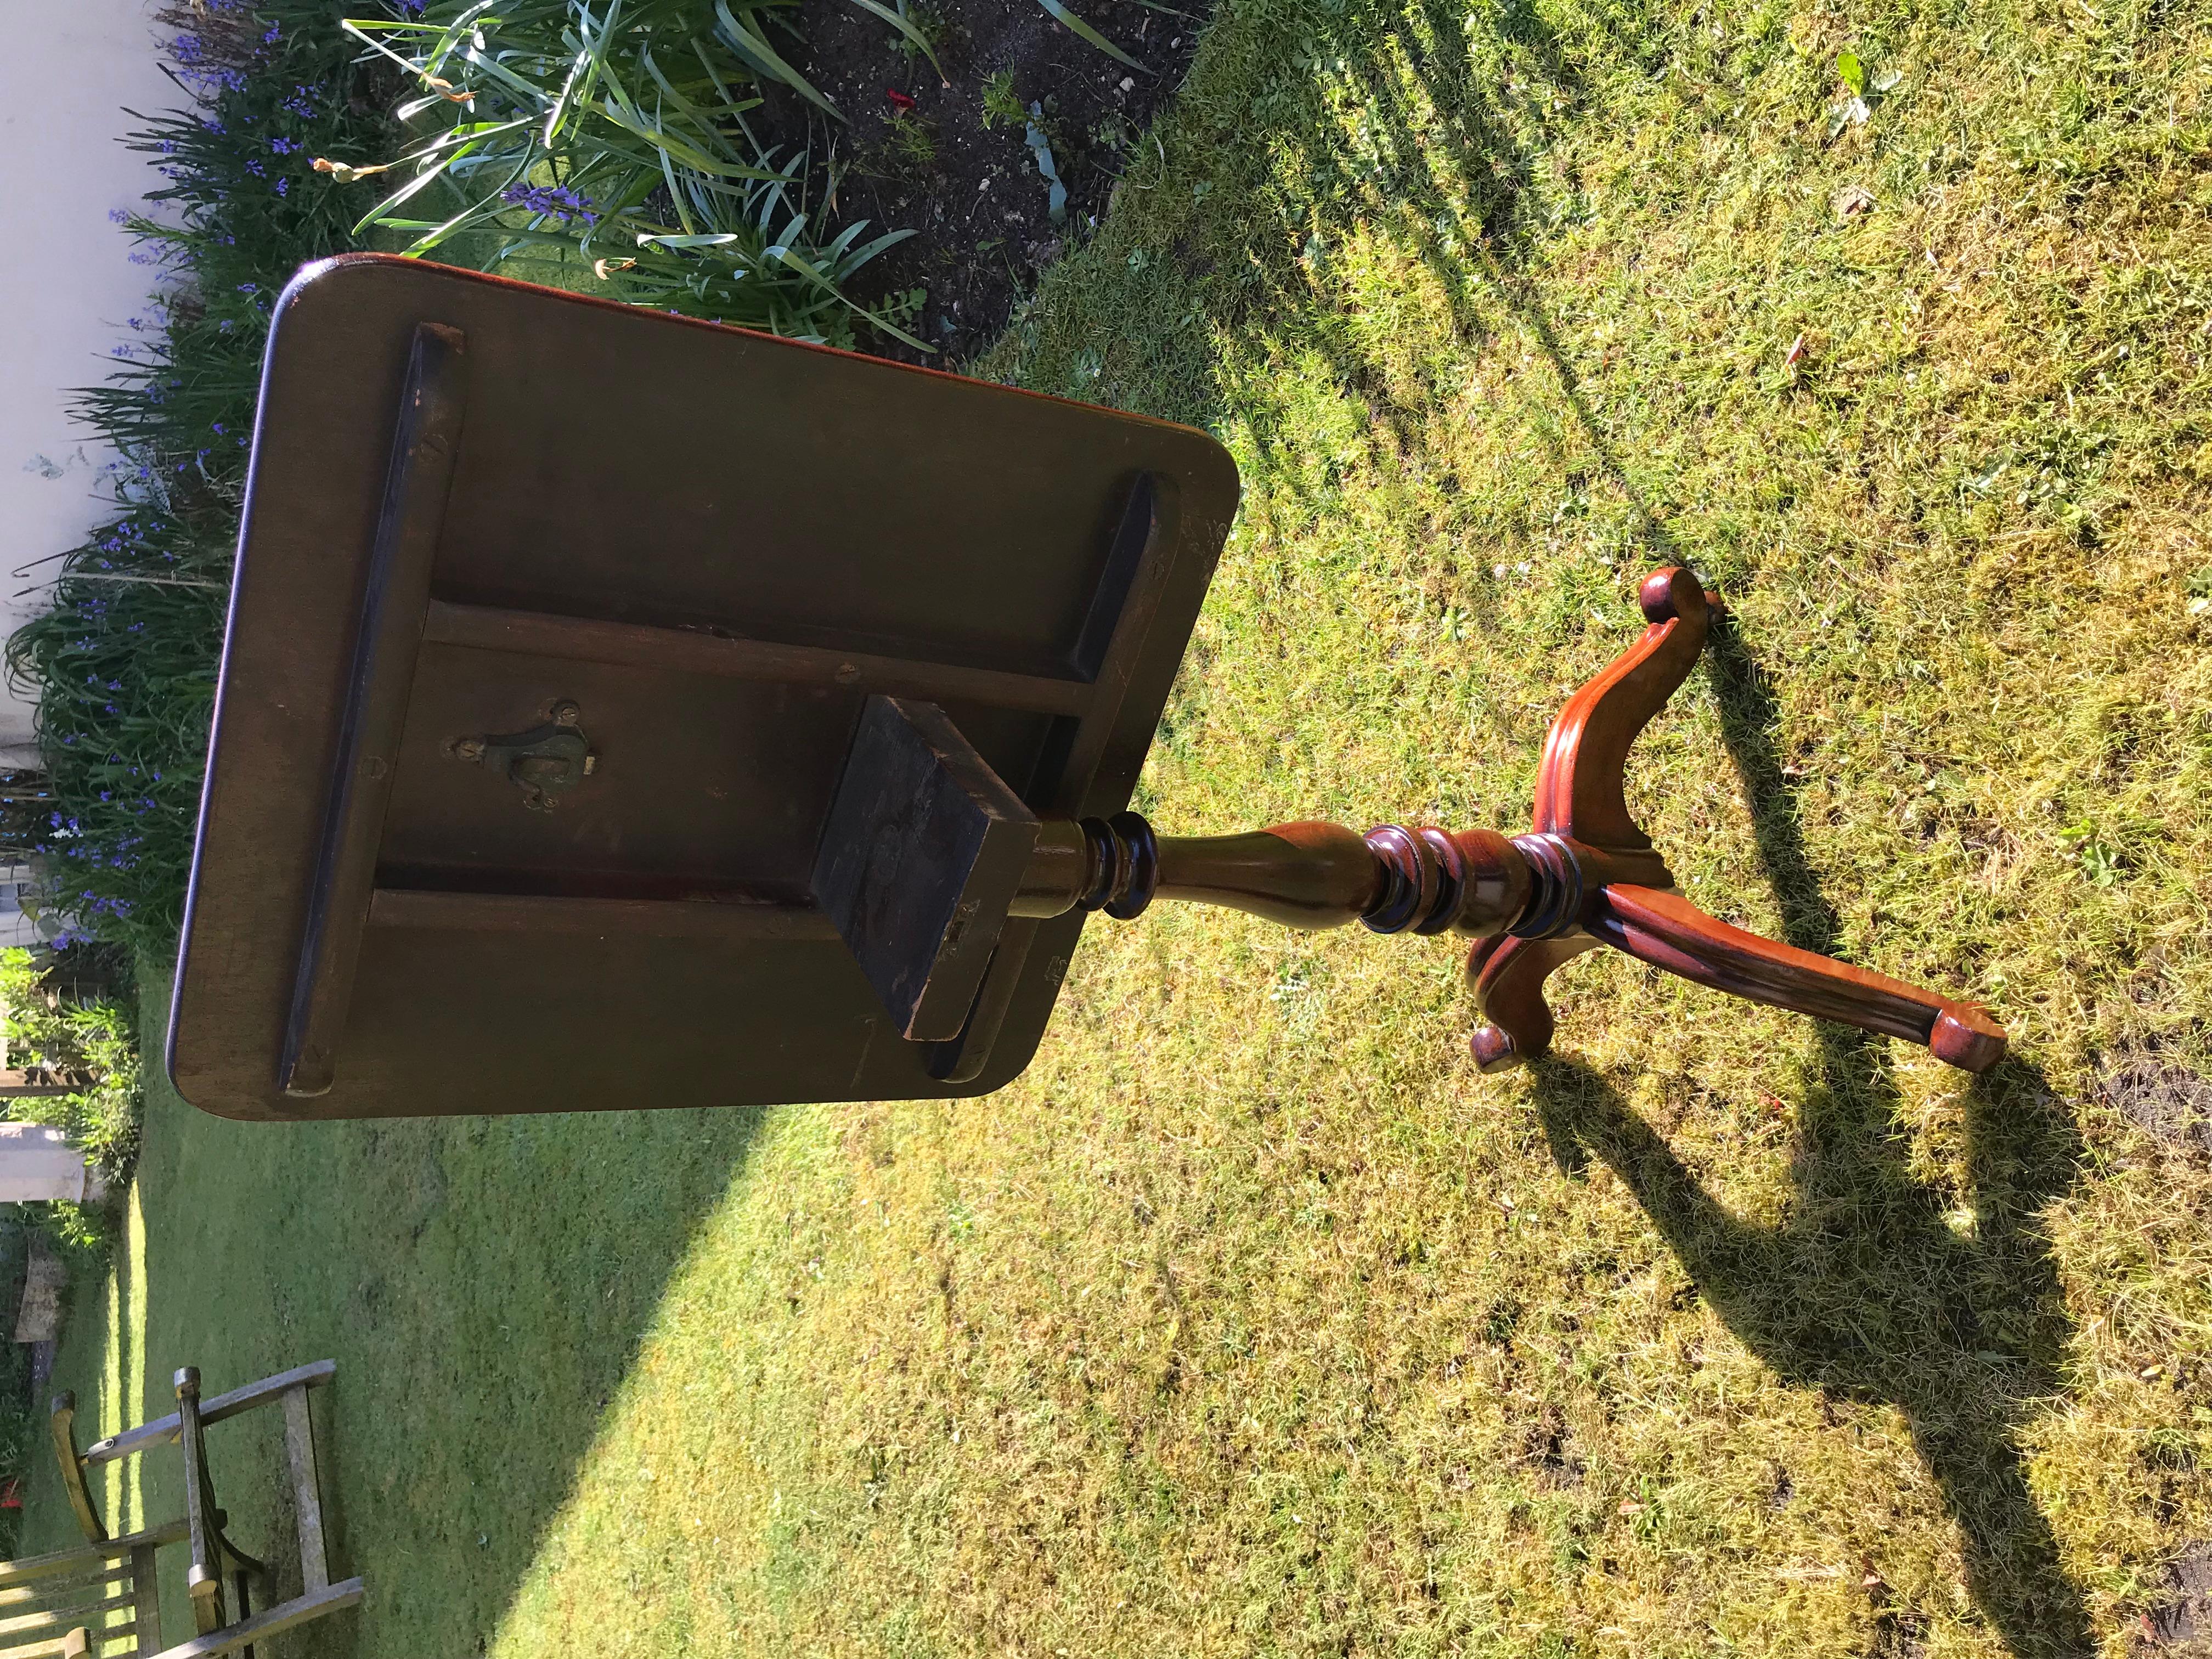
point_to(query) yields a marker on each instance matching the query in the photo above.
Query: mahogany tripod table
(619, 709)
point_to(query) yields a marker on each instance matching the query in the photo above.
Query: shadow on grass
(502, 1276)
(1866, 1292)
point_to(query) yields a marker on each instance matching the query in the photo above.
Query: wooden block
(39, 1315)
(923, 850)
(306, 1489)
(424, 449)
(146, 1601)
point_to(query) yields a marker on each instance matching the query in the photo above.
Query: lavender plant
(124, 662)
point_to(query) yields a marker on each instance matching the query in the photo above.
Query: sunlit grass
(1253, 1320)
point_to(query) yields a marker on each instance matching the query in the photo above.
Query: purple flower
(555, 200)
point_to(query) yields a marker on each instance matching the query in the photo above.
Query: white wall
(67, 285)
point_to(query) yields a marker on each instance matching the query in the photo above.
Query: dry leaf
(1851, 201)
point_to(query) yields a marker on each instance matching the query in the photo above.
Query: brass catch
(544, 762)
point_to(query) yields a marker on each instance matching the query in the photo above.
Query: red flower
(900, 101)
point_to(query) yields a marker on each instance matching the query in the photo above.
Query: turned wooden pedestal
(1585, 876)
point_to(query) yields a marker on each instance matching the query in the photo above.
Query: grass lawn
(1253, 1319)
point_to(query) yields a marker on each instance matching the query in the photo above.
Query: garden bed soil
(932, 159)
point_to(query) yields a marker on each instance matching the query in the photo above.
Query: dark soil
(2161, 1096)
(972, 193)
(2180, 1627)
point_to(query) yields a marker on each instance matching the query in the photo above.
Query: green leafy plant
(1069, 19)
(921, 27)
(1114, 136)
(90, 1043)
(2096, 857)
(1002, 104)
(909, 142)
(1862, 91)
(619, 133)
(2199, 585)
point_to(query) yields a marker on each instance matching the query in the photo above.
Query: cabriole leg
(1507, 976)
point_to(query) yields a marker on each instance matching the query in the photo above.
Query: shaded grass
(481, 1283)
(1252, 1321)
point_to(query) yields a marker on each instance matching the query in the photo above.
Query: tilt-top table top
(553, 623)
